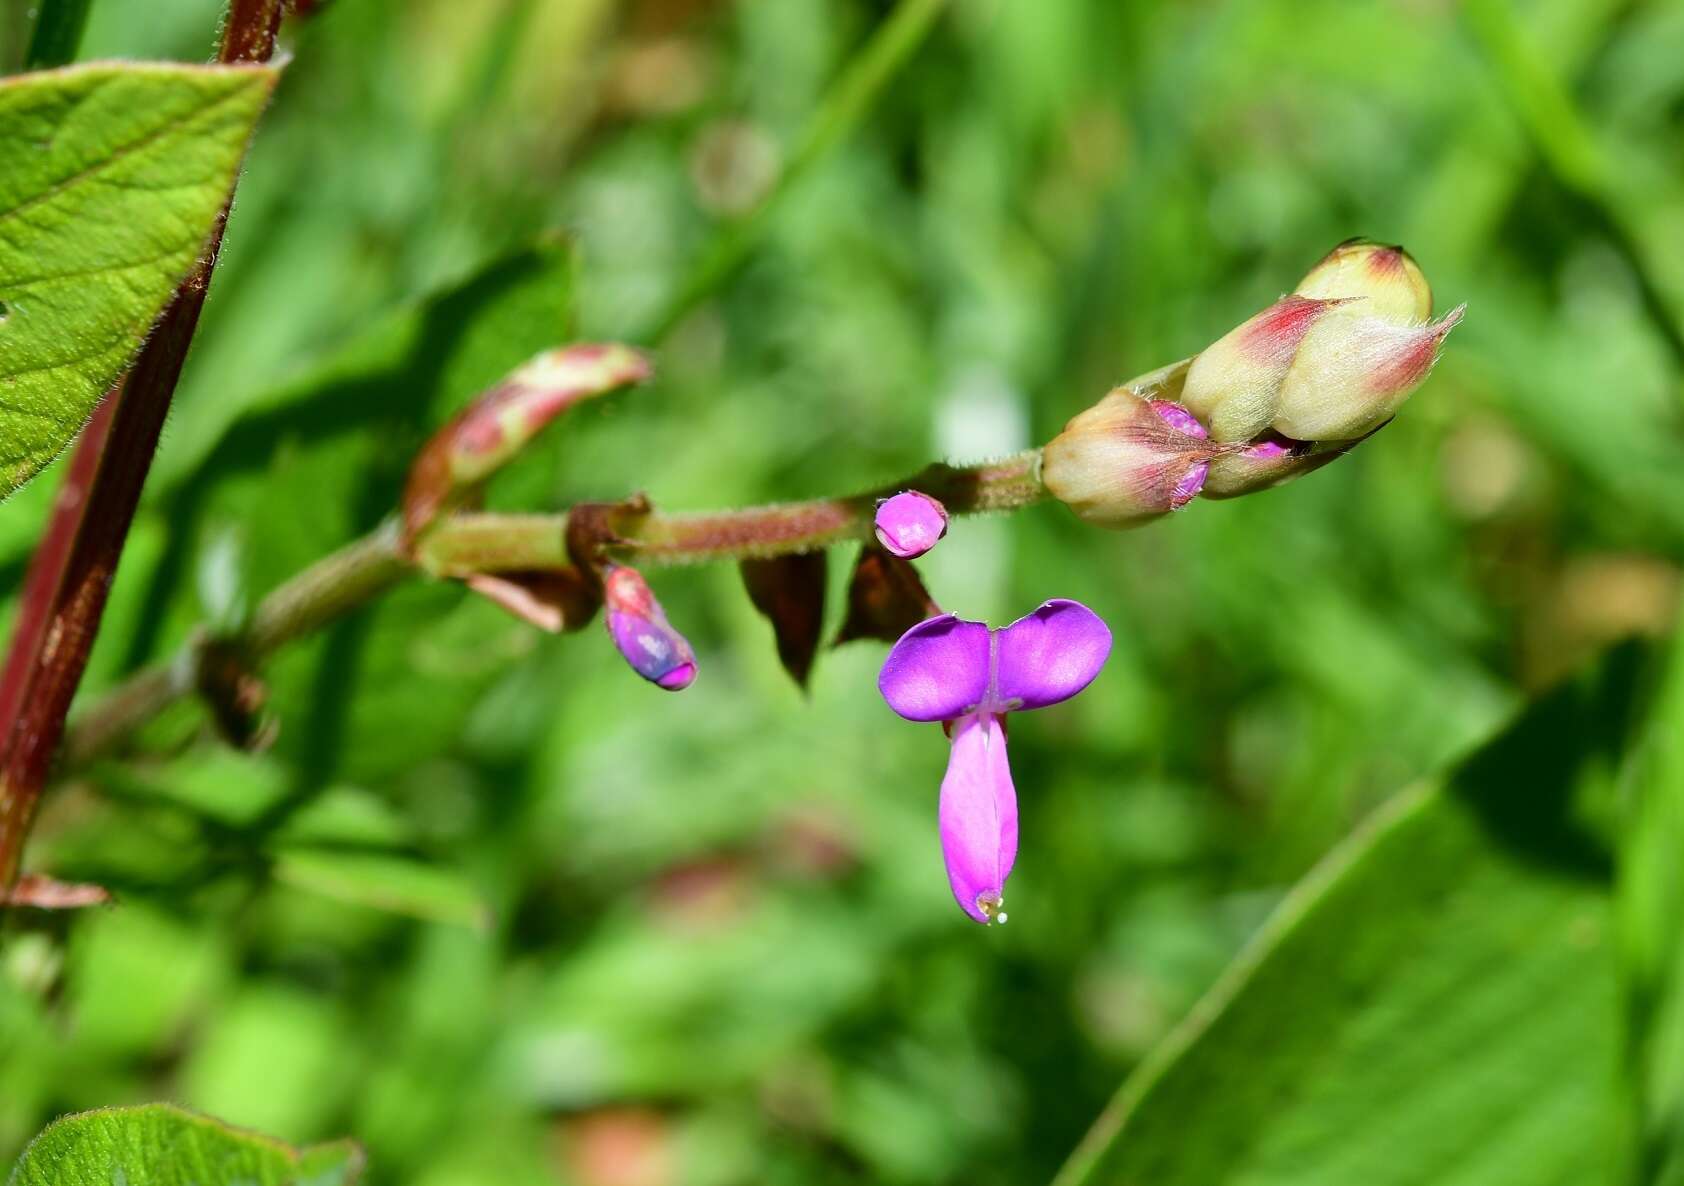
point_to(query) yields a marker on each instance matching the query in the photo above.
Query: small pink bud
(910, 524)
(1128, 460)
(1234, 384)
(641, 632)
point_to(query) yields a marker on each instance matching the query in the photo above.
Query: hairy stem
(71, 572)
(465, 544)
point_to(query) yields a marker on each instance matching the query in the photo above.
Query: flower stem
(777, 530)
(464, 544)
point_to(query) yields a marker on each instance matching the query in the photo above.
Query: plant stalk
(71, 572)
(465, 544)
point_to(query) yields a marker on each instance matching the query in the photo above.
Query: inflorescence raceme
(1289, 390)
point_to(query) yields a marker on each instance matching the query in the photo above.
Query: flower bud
(1127, 460)
(1234, 384)
(1386, 277)
(910, 524)
(641, 632)
(501, 421)
(1267, 462)
(1330, 362)
(1354, 371)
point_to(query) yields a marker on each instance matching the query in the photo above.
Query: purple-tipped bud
(910, 524)
(1128, 460)
(642, 634)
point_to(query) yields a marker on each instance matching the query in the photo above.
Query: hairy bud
(1127, 460)
(1386, 277)
(1234, 385)
(1331, 361)
(1266, 462)
(501, 421)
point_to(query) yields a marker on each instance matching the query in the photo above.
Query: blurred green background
(508, 915)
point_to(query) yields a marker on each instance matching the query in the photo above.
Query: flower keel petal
(979, 817)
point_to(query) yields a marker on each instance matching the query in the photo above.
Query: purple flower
(910, 523)
(642, 634)
(969, 677)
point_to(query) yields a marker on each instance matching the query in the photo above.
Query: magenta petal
(979, 817)
(910, 523)
(1050, 655)
(937, 670)
(654, 650)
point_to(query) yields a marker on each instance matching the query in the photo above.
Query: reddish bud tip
(1388, 282)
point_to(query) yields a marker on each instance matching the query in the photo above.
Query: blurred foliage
(505, 913)
(1437, 1001)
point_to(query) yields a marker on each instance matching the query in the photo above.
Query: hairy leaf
(111, 178)
(1436, 1005)
(160, 1145)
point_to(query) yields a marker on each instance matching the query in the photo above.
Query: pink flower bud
(1354, 371)
(1330, 362)
(1234, 385)
(505, 418)
(1127, 460)
(1386, 277)
(910, 524)
(641, 632)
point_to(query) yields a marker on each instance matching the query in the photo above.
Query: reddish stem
(70, 574)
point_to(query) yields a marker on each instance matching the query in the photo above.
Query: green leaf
(111, 178)
(161, 1145)
(1437, 1003)
(395, 884)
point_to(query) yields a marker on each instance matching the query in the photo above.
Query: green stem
(58, 33)
(328, 589)
(846, 103)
